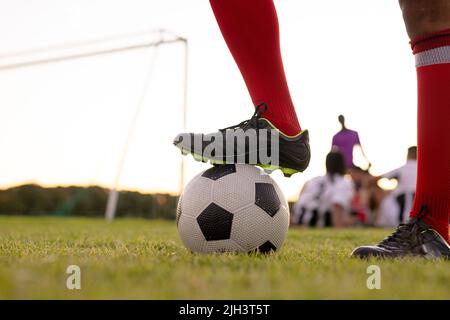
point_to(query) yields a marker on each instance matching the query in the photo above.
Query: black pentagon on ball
(215, 223)
(267, 247)
(266, 198)
(219, 171)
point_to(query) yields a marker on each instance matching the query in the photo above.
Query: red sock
(432, 55)
(250, 29)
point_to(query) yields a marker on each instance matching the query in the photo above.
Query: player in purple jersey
(344, 141)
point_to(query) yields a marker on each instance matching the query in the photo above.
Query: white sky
(66, 123)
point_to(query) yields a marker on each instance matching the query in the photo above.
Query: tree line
(32, 199)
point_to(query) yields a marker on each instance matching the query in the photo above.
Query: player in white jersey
(397, 204)
(325, 201)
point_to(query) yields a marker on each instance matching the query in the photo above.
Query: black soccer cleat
(255, 141)
(414, 238)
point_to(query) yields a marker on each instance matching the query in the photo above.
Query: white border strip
(434, 56)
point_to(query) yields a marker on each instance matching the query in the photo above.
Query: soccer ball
(232, 208)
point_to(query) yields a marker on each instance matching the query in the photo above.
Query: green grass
(141, 259)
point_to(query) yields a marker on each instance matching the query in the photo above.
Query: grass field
(141, 259)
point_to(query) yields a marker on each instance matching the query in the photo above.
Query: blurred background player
(325, 201)
(397, 204)
(250, 29)
(345, 141)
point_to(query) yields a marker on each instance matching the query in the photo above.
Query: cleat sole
(197, 157)
(287, 172)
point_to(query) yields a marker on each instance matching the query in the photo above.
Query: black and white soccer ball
(232, 208)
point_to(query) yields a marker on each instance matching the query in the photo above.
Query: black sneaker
(256, 141)
(414, 238)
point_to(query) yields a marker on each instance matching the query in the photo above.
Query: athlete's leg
(423, 17)
(250, 29)
(428, 26)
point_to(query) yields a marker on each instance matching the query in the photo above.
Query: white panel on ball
(190, 233)
(197, 196)
(235, 191)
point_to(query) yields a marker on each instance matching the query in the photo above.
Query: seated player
(396, 205)
(250, 29)
(325, 201)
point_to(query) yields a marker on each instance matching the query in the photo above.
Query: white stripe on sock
(433, 56)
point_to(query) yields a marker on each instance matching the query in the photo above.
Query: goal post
(101, 47)
(113, 196)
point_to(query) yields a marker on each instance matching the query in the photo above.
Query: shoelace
(253, 122)
(404, 230)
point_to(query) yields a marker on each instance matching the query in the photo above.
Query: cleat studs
(216, 162)
(287, 172)
(268, 169)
